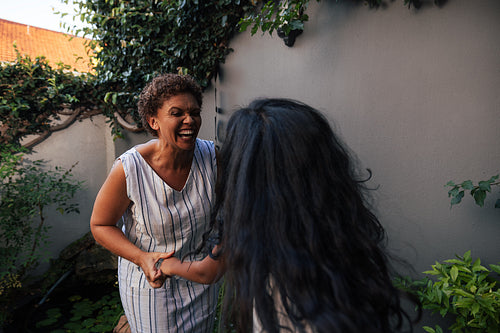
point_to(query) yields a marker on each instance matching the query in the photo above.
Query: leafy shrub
(86, 315)
(464, 289)
(27, 190)
(32, 93)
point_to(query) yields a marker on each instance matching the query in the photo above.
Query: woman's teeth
(186, 133)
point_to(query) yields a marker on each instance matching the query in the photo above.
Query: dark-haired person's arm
(205, 271)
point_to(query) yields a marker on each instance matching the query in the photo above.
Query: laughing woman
(162, 192)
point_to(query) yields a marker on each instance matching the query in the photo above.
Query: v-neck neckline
(163, 181)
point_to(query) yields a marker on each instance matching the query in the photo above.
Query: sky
(38, 13)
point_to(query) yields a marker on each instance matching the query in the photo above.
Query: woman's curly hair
(161, 89)
(293, 221)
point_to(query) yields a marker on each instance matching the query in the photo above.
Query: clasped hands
(150, 264)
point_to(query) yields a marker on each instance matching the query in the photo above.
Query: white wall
(89, 143)
(414, 93)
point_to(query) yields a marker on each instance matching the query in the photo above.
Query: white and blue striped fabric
(161, 219)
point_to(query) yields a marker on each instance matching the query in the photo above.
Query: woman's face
(178, 121)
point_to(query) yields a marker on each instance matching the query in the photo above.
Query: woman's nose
(188, 119)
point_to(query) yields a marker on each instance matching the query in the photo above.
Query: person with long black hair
(300, 248)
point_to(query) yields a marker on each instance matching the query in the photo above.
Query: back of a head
(280, 140)
(293, 210)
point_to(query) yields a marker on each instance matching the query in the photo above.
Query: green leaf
(107, 96)
(457, 198)
(455, 261)
(244, 25)
(467, 185)
(479, 197)
(485, 186)
(495, 268)
(454, 273)
(493, 179)
(475, 309)
(463, 293)
(297, 25)
(467, 255)
(453, 192)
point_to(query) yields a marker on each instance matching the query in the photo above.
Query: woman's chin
(186, 143)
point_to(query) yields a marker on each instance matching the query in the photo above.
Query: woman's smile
(178, 121)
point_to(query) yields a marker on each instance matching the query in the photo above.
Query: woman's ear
(153, 123)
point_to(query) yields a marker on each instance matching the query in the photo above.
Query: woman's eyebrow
(176, 108)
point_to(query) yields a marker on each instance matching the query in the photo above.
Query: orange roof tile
(33, 41)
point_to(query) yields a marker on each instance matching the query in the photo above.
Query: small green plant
(463, 288)
(27, 190)
(85, 315)
(478, 192)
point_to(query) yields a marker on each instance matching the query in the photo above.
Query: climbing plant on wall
(139, 39)
(33, 94)
(288, 16)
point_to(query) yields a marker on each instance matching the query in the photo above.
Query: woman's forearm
(206, 271)
(113, 239)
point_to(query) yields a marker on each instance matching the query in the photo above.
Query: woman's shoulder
(145, 149)
(131, 155)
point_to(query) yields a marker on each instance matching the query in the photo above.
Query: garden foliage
(27, 190)
(85, 316)
(136, 40)
(464, 289)
(32, 93)
(477, 191)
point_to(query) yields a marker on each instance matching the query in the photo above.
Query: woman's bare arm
(110, 204)
(205, 271)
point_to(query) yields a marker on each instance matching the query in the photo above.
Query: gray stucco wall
(89, 144)
(415, 94)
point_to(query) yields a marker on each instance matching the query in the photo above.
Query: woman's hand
(168, 266)
(148, 261)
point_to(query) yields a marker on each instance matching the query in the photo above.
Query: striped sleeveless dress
(161, 219)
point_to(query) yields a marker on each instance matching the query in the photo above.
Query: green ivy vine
(289, 15)
(137, 39)
(33, 94)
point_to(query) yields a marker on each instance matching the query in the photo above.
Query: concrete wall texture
(414, 94)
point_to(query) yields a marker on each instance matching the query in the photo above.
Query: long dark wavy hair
(296, 223)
